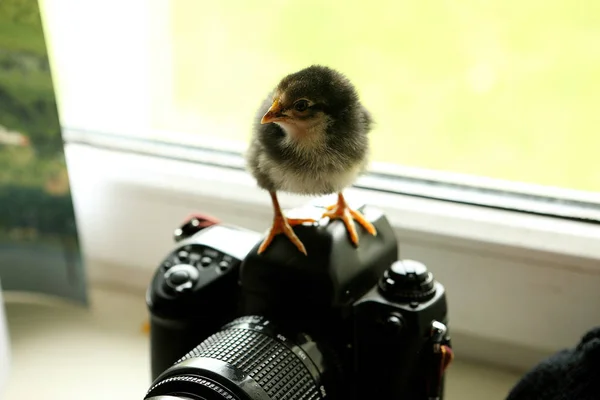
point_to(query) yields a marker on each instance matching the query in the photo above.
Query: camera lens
(250, 358)
(169, 398)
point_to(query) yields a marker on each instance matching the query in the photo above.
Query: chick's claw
(358, 217)
(284, 225)
(342, 211)
(300, 221)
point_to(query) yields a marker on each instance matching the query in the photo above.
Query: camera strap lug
(441, 357)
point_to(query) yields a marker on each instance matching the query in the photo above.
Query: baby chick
(310, 138)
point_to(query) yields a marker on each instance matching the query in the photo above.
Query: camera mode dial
(407, 281)
(181, 277)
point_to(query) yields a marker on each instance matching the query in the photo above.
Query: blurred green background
(39, 246)
(503, 89)
(34, 185)
(28, 106)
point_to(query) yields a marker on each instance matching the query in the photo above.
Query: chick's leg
(282, 224)
(342, 211)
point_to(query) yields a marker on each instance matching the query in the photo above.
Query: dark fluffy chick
(310, 138)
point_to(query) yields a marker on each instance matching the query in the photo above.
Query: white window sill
(519, 286)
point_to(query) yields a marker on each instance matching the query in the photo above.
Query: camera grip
(193, 293)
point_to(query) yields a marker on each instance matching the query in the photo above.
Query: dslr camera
(343, 322)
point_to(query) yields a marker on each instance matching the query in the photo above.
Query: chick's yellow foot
(284, 225)
(342, 211)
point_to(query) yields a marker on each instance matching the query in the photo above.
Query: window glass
(499, 89)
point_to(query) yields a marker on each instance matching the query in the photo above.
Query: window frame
(447, 186)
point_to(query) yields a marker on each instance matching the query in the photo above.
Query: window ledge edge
(173, 180)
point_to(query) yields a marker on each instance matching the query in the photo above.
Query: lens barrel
(250, 358)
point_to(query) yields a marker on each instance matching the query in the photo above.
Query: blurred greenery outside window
(506, 90)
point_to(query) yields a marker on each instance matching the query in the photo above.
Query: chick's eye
(301, 105)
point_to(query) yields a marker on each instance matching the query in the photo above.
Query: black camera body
(343, 322)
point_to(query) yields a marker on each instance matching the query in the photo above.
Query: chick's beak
(273, 114)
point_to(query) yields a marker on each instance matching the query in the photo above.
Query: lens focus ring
(279, 370)
(220, 392)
